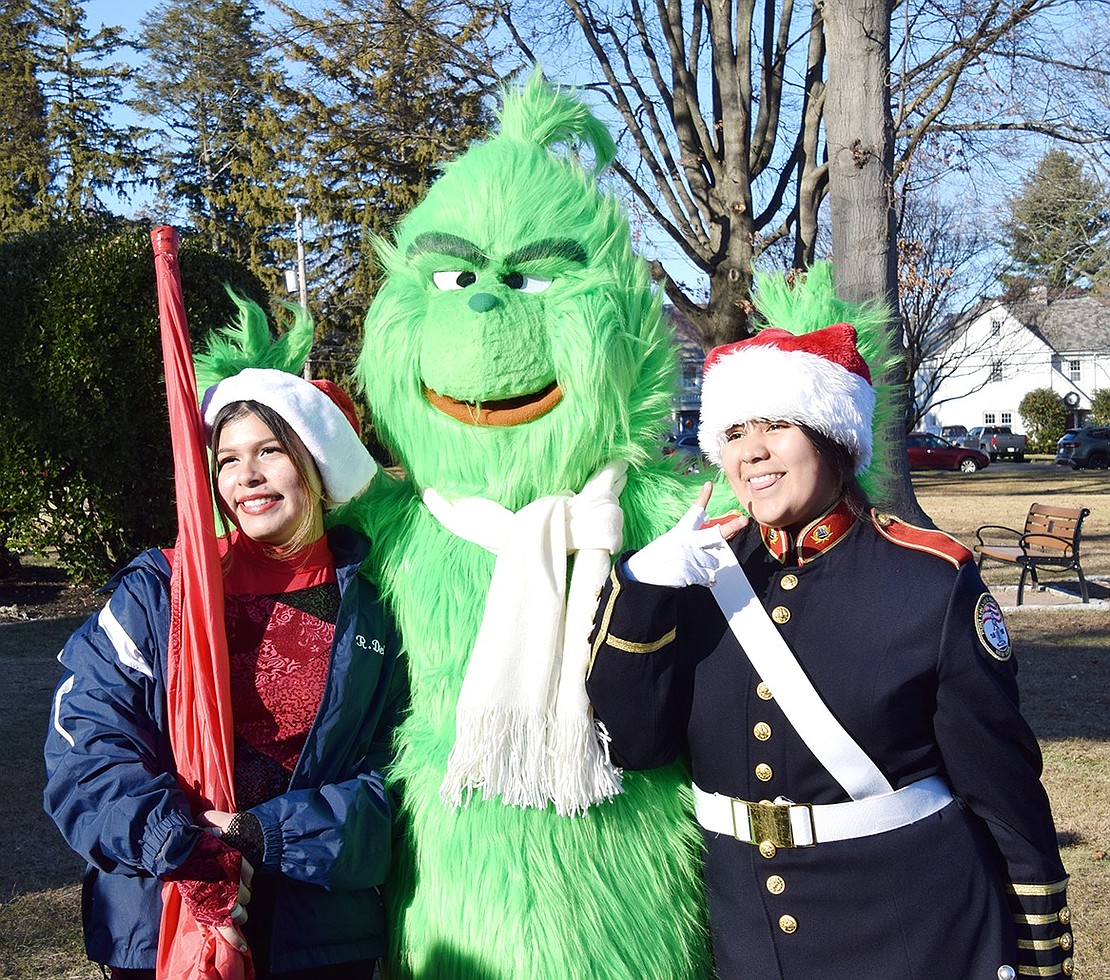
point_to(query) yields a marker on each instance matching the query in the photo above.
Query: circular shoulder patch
(991, 627)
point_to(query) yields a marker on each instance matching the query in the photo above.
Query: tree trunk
(861, 159)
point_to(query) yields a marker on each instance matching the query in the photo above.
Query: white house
(1004, 351)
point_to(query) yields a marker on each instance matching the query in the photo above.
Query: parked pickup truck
(997, 441)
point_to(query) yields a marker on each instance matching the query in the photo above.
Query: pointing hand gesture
(687, 553)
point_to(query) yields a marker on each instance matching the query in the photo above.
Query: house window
(1073, 370)
(1007, 418)
(988, 418)
(996, 371)
(996, 326)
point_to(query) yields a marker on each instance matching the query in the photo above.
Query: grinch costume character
(517, 363)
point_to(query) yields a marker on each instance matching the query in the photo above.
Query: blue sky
(122, 13)
(128, 13)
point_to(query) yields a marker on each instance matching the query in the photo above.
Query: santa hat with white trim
(320, 412)
(817, 379)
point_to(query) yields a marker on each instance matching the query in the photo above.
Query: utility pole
(302, 285)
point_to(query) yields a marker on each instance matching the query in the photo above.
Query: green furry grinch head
(516, 344)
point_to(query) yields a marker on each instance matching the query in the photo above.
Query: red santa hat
(320, 412)
(818, 379)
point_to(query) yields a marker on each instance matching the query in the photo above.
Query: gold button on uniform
(763, 772)
(763, 692)
(1065, 941)
(775, 885)
(788, 924)
(767, 849)
(762, 731)
(780, 614)
(789, 582)
(1064, 915)
(1067, 967)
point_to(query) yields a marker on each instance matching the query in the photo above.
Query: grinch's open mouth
(501, 411)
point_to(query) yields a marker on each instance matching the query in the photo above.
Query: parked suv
(1087, 447)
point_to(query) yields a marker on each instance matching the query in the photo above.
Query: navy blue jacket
(901, 639)
(112, 790)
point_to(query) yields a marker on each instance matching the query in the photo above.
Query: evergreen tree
(208, 78)
(24, 143)
(1059, 225)
(383, 92)
(82, 85)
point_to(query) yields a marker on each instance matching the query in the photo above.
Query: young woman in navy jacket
(316, 690)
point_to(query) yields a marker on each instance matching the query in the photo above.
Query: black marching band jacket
(901, 640)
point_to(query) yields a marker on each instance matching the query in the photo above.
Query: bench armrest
(1035, 536)
(1017, 535)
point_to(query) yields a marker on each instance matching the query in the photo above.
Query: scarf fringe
(530, 761)
(580, 772)
(498, 752)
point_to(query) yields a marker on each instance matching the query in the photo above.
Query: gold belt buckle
(764, 822)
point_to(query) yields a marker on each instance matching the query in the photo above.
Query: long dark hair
(840, 460)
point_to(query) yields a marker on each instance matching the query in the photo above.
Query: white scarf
(524, 729)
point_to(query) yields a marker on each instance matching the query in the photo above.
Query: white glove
(684, 555)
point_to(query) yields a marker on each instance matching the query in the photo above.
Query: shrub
(1100, 407)
(1045, 416)
(85, 461)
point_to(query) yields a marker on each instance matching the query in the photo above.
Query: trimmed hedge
(85, 460)
(1045, 416)
(1100, 407)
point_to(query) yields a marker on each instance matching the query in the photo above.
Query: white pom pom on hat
(818, 379)
(320, 412)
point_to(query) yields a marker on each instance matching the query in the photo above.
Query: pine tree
(208, 78)
(82, 85)
(24, 143)
(1059, 225)
(384, 91)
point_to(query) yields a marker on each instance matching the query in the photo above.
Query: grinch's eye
(525, 284)
(453, 279)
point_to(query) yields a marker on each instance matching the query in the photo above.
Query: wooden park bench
(1050, 541)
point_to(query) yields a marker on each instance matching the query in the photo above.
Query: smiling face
(778, 475)
(260, 487)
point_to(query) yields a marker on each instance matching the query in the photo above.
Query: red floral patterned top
(280, 616)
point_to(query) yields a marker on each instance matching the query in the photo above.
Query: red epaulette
(925, 539)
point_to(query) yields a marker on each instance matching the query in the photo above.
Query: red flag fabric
(197, 686)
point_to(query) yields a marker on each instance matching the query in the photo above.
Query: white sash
(775, 663)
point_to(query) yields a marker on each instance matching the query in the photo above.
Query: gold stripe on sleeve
(1045, 919)
(629, 647)
(1041, 944)
(1052, 888)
